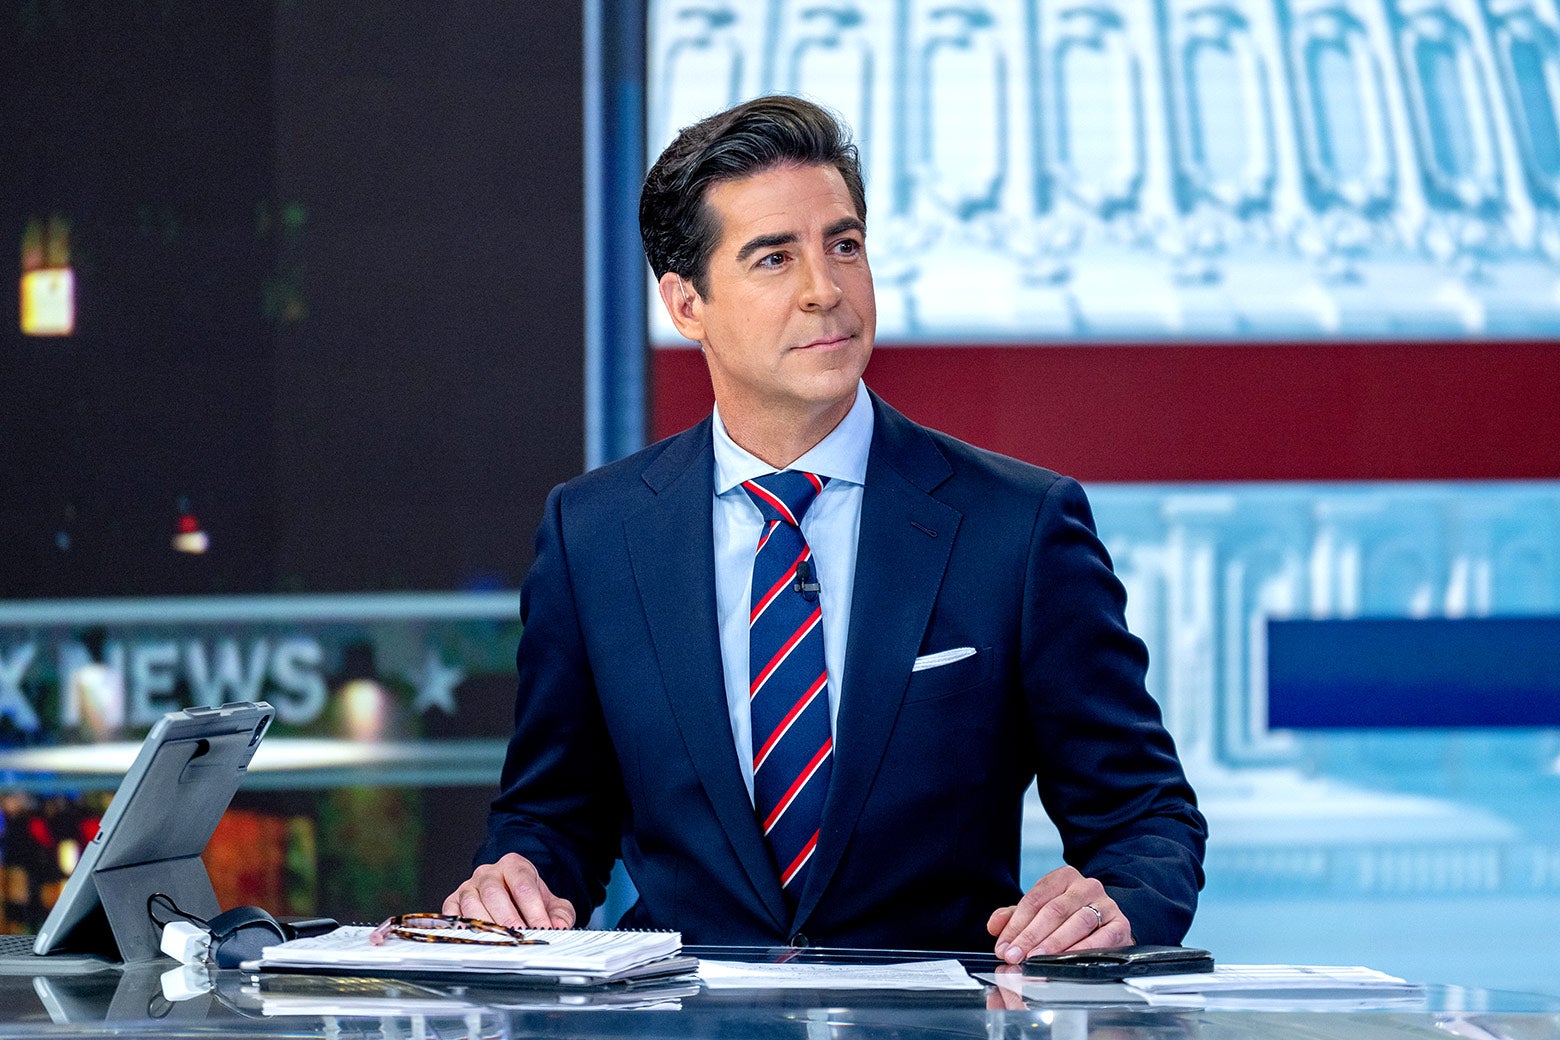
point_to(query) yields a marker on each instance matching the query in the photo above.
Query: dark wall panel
(147, 129)
(433, 394)
(329, 262)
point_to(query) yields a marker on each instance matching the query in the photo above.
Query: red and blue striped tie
(793, 749)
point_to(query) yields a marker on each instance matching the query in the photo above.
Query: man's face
(789, 314)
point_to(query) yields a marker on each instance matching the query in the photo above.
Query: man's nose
(820, 289)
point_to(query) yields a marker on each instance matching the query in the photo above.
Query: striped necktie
(788, 693)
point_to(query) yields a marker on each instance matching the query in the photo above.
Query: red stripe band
(779, 506)
(769, 529)
(796, 788)
(785, 723)
(784, 652)
(800, 861)
(779, 586)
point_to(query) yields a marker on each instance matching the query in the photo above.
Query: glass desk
(135, 1002)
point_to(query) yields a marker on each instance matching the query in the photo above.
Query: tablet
(151, 837)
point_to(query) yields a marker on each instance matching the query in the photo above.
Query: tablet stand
(124, 892)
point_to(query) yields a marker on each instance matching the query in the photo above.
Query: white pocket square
(942, 657)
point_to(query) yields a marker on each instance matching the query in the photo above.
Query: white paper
(1281, 987)
(913, 975)
(1226, 978)
(1293, 1000)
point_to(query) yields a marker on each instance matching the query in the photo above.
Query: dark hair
(678, 229)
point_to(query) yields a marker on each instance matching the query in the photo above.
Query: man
(827, 738)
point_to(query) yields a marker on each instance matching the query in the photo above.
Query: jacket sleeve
(560, 799)
(1107, 768)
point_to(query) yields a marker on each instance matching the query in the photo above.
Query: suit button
(799, 941)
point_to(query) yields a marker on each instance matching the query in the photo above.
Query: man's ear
(683, 305)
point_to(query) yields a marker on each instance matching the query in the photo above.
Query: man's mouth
(826, 343)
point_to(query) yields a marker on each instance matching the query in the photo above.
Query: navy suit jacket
(623, 744)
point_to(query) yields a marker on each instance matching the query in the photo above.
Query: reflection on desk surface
(313, 995)
(131, 994)
(133, 1004)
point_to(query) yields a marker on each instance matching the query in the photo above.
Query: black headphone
(239, 934)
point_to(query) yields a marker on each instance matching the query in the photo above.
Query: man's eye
(848, 246)
(772, 260)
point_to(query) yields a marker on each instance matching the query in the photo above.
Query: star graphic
(436, 685)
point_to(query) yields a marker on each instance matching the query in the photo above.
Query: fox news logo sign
(114, 666)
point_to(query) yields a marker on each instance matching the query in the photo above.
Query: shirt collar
(842, 455)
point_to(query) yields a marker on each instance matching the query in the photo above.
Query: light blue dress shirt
(831, 527)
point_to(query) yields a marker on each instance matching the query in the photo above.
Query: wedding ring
(1099, 918)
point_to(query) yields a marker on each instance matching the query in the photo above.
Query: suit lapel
(901, 554)
(673, 559)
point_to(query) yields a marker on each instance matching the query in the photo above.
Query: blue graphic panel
(1376, 673)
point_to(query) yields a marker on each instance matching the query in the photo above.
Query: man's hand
(1056, 916)
(511, 893)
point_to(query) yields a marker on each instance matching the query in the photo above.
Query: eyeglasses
(444, 928)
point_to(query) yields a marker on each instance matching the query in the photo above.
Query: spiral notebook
(573, 956)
